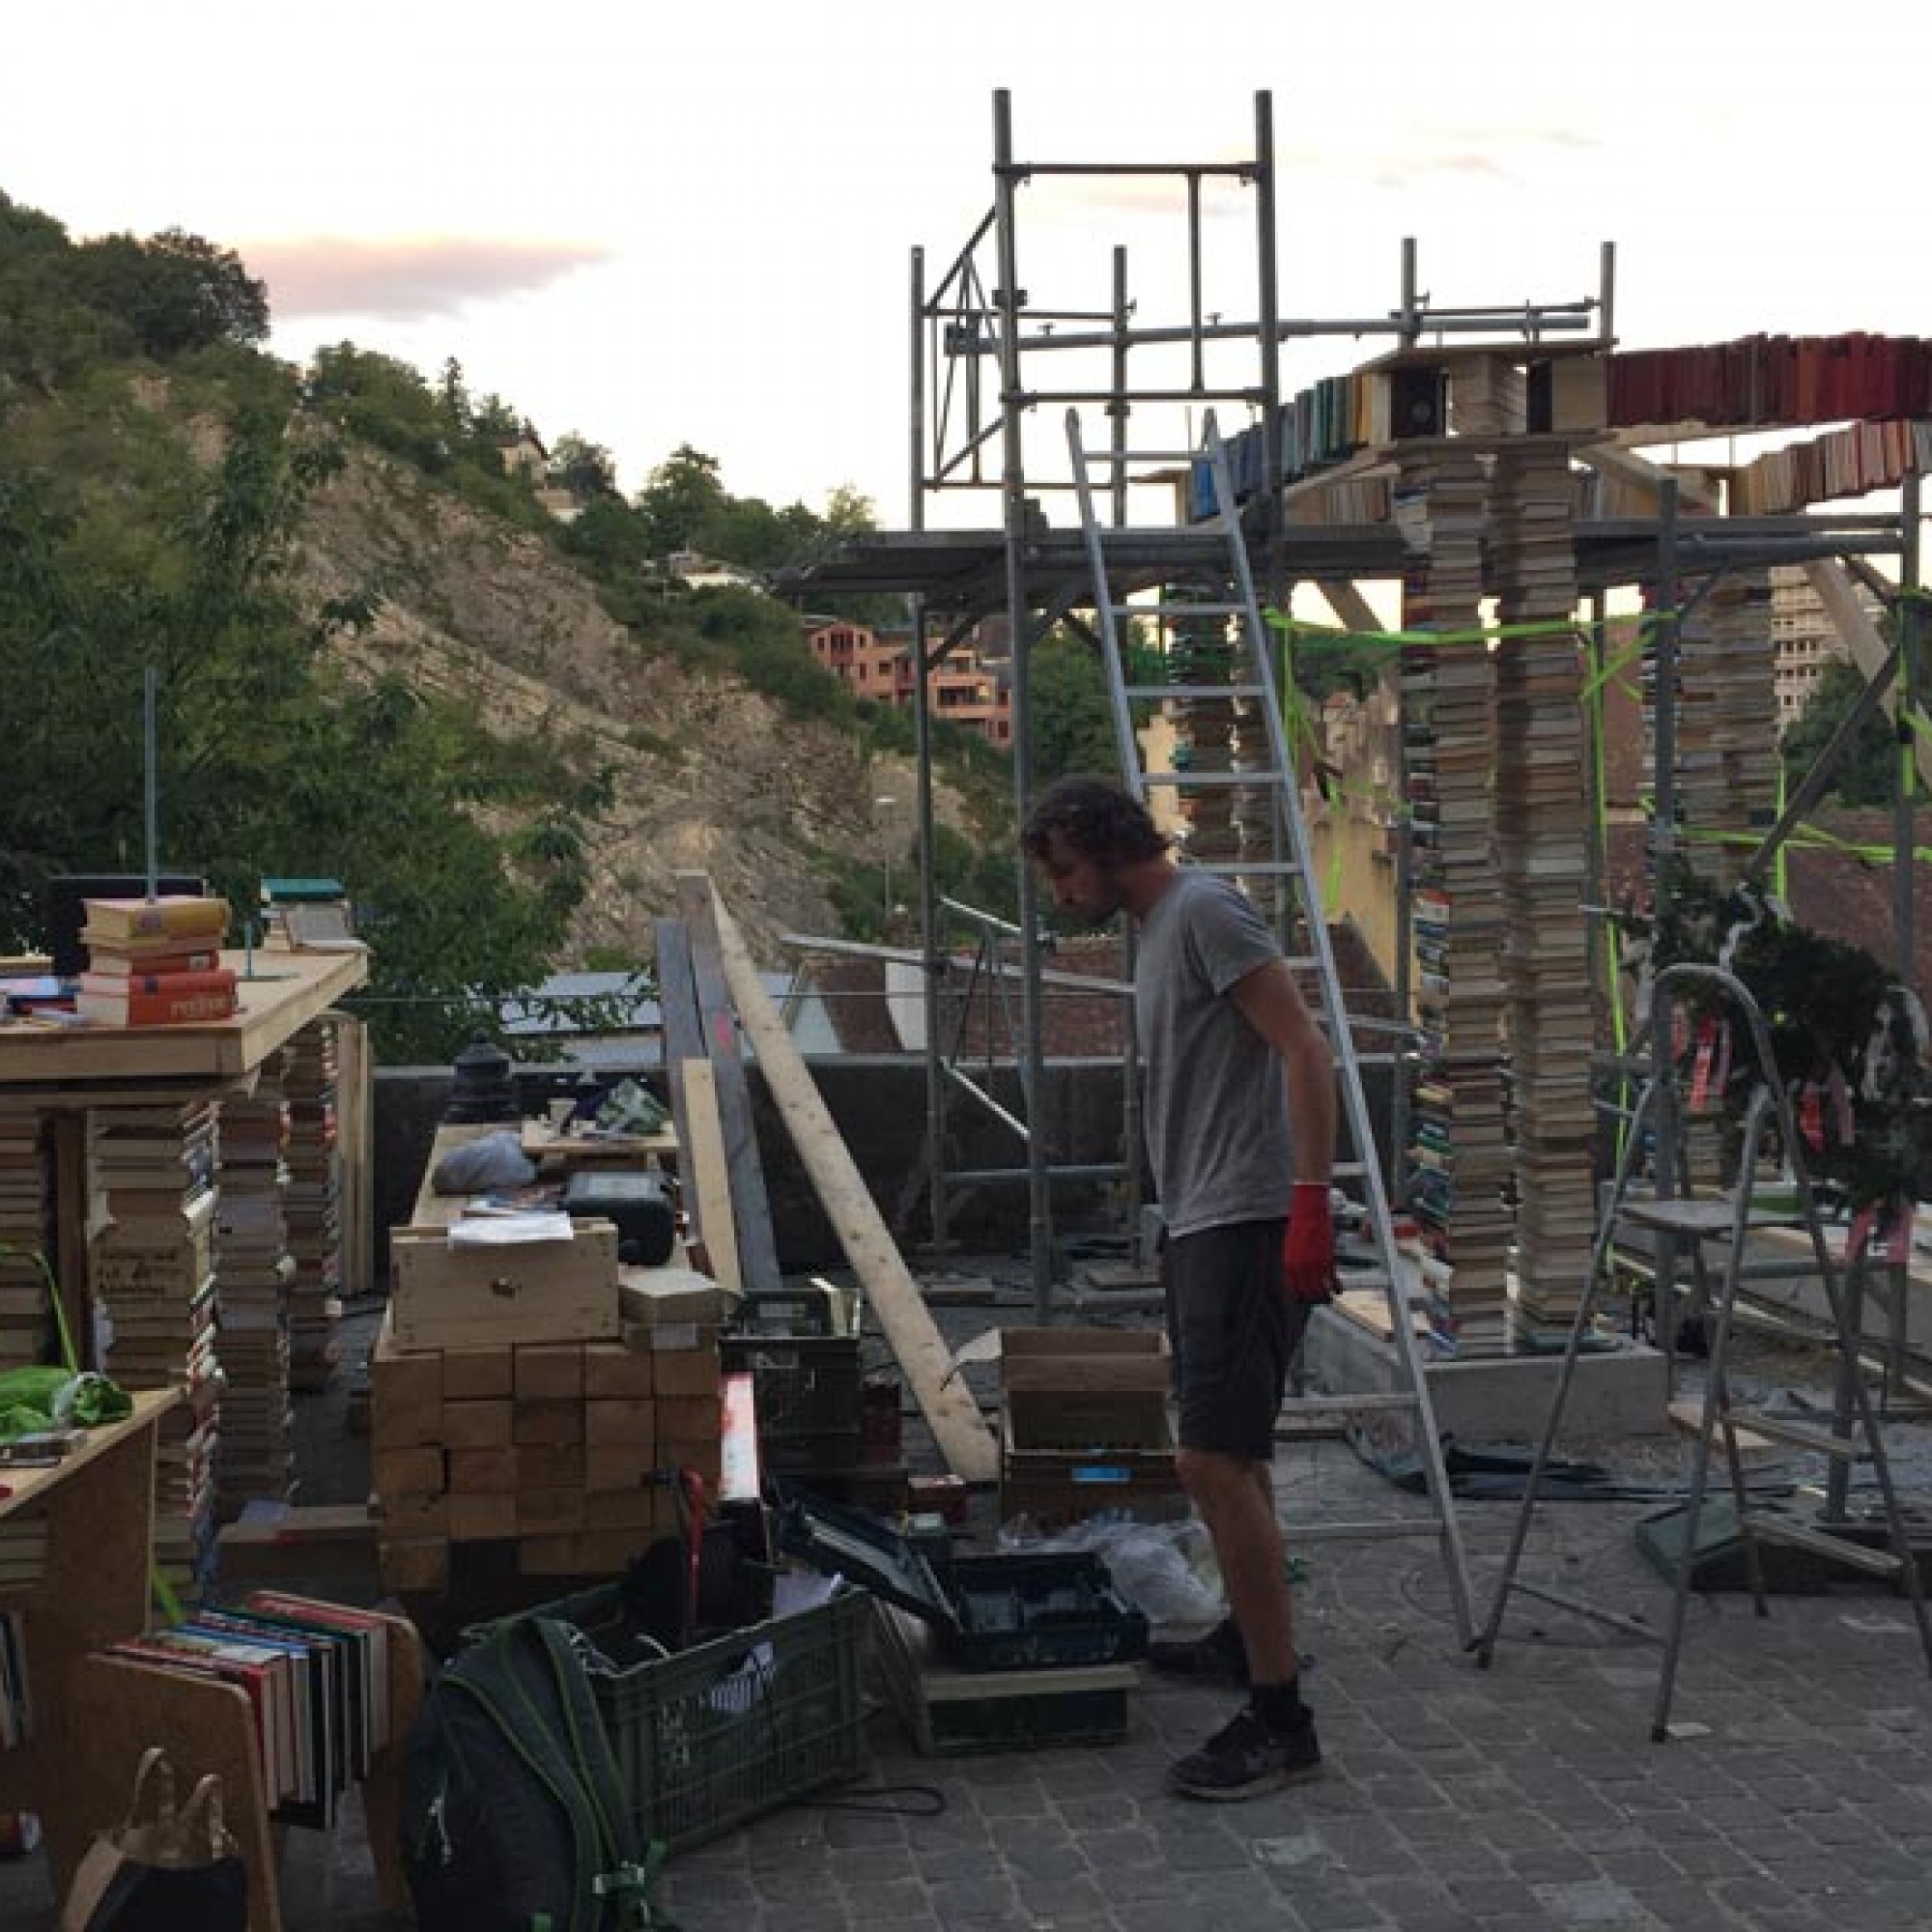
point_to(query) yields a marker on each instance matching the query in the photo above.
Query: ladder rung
(1803, 1434)
(1180, 610)
(1769, 1528)
(1252, 869)
(1347, 1404)
(1708, 1219)
(1110, 456)
(1257, 779)
(1181, 693)
(1318, 1531)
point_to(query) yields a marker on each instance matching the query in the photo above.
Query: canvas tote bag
(161, 1870)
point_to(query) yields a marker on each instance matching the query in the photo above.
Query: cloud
(406, 279)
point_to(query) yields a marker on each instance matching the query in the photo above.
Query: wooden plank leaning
(751, 1209)
(950, 1410)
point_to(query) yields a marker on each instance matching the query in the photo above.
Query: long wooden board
(950, 1410)
(750, 1208)
(707, 1176)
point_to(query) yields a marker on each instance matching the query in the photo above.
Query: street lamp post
(886, 865)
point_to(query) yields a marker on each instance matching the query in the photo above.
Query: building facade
(967, 686)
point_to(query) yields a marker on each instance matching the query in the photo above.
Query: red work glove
(1308, 1250)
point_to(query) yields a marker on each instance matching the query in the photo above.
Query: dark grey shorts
(1233, 1333)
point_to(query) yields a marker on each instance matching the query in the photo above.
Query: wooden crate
(444, 1297)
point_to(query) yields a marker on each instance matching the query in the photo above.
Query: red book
(145, 965)
(156, 1009)
(134, 985)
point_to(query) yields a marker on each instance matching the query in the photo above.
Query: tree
(685, 491)
(585, 469)
(1073, 713)
(175, 291)
(269, 761)
(1867, 773)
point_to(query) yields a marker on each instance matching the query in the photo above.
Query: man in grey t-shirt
(1240, 1130)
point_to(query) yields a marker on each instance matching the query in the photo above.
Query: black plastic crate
(807, 1385)
(1024, 1612)
(729, 1729)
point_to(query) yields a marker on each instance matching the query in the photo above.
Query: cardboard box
(550, 1369)
(558, 1423)
(469, 1373)
(477, 1425)
(609, 1422)
(1086, 1388)
(482, 1516)
(454, 1298)
(482, 1472)
(661, 1296)
(614, 1370)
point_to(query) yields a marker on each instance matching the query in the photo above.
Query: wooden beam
(707, 1174)
(751, 1209)
(1349, 603)
(954, 1418)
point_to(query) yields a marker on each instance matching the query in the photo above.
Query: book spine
(169, 984)
(149, 919)
(155, 1009)
(121, 967)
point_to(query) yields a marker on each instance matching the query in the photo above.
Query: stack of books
(317, 1676)
(1542, 830)
(307, 915)
(1204, 736)
(150, 1270)
(23, 1551)
(26, 1239)
(253, 1272)
(314, 1204)
(155, 962)
(1457, 1158)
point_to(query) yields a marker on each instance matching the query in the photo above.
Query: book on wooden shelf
(142, 1009)
(137, 984)
(172, 916)
(142, 960)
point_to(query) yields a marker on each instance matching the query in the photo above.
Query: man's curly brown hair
(1099, 820)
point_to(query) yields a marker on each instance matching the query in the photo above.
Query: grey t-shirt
(1216, 1092)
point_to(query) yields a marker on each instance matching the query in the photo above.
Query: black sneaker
(1218, 1658)
(1244, 1758)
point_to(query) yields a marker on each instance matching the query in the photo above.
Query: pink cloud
(327, 274)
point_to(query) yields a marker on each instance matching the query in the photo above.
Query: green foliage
(1073, 712)
(1837, 1022)
(1867, 773)
(120, 554)
(174, 292)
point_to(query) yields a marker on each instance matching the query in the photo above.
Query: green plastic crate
(732, 1728)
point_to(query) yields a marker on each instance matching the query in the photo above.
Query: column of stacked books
(26, 1237)
(252, 1271)
(1201, 653)
(1458, 1155)
(1541, 833)
(314, 1204)
(151, 1268)
(1728, 721)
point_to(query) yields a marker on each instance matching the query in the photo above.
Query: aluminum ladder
(1213, 553)
(1680, 1221)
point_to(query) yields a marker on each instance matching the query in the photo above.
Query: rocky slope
(710, 774)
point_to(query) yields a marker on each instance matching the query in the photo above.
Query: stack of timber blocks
(564, 1449)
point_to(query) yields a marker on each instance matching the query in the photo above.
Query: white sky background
(656, 224)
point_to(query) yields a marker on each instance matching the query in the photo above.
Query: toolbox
(637, 1205)
(1045, 1610)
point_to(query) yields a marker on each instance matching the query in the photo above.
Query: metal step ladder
(1211, 556)
(1683, 1225)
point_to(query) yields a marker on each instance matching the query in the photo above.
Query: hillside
(708, 771)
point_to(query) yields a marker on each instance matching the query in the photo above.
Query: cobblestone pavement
(1524, 1797)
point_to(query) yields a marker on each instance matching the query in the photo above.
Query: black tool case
(1021, 1612)
(637, 1203)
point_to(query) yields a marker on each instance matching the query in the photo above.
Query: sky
(659, 225)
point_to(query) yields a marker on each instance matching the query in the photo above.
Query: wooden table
(65, 1070)
(99, 1505)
